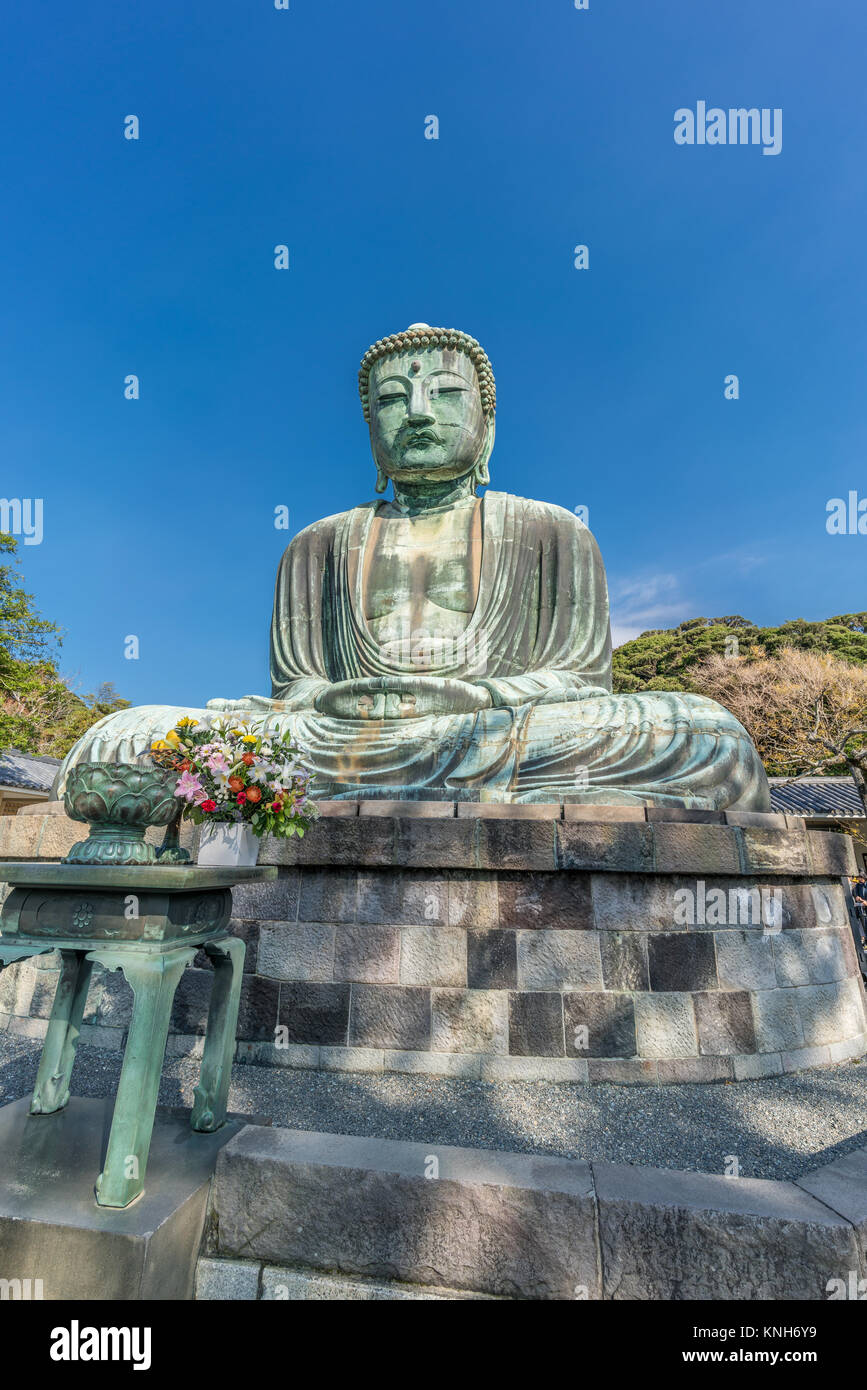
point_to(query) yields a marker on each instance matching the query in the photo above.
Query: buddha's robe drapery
(541, 616)
(538, 640)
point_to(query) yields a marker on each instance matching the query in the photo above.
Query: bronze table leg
(154, 978)
(209, 1108)
(51, 1091)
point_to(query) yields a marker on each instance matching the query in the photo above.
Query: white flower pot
(229, 844)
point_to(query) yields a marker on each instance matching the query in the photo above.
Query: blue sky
(306, 127)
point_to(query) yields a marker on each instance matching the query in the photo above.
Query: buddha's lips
(422, 437)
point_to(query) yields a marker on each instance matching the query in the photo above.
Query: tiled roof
(816, 796)
(27, 771)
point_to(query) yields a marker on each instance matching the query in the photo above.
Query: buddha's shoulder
(540, 511)
(328, 526)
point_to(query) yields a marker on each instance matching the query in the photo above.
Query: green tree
(662, 659)
(39, 713)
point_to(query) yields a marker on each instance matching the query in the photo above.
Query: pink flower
(189, 788)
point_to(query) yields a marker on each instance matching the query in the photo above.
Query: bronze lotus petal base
(119, 801)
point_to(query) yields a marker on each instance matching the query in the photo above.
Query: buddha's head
(429, 398)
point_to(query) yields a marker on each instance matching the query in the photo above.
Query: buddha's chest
(424, 569)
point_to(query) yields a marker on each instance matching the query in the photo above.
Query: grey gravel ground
(779, 1128)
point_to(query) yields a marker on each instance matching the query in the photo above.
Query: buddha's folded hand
(401, 697)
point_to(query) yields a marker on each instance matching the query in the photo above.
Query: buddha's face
(426, 417)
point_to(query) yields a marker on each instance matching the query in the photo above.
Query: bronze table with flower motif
(148, 921)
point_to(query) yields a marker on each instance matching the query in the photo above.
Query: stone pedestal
(56, 1243)
(505, 943)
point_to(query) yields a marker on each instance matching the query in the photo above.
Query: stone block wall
(508, 943)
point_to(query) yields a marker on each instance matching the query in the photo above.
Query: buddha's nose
(419, 405)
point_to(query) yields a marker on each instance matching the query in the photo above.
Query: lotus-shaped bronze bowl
(119, 801)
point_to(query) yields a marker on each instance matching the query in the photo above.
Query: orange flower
(254, 794)
(248, 759)
(236, 784)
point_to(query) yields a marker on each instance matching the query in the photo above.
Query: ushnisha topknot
(421, 335)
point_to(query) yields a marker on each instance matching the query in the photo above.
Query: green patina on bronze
(83, 911)
(119, 801)
(441, 645)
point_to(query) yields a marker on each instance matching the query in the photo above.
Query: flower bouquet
(239, 781)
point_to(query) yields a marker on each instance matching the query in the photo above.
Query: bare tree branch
(791, 702)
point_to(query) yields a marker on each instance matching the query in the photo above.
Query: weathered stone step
(329, 1216)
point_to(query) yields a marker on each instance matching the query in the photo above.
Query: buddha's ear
(481, 474)
(381, 479)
